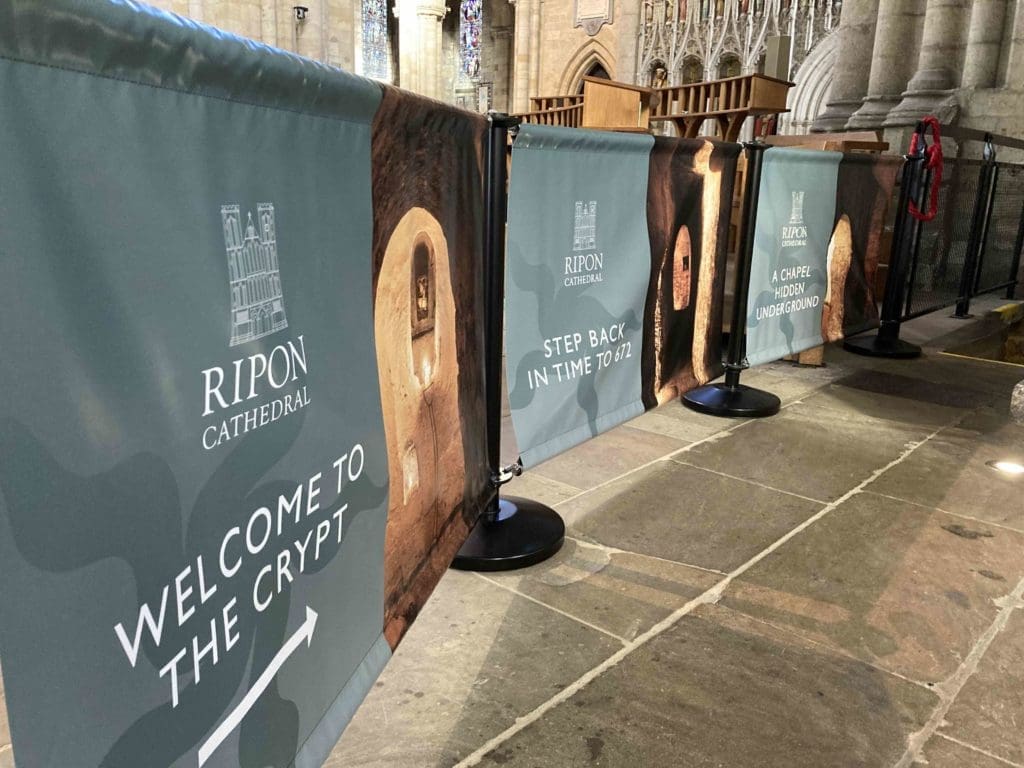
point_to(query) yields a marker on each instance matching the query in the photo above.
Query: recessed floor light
(1007, 467)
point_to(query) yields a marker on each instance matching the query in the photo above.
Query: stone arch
(591, 53)
(813, 80)
(656, 74)
(417, 365)
(729, 64)
(691, 70)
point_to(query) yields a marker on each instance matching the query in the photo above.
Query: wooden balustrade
(562, 117)
(623, 107)
(544, 103)
(604, 104)
(727, 102)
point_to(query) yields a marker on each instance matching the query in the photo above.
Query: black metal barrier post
(980, 219)
(983, 242)
(511, 532)
(906, 237)
(731, 398)
(1018, 246)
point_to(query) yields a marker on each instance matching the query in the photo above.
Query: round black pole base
(739, 401)
(523, 533)
(876, 346)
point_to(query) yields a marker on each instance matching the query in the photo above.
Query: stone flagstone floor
(839, 585)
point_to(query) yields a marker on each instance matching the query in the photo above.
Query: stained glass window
(376, 56)
(471, 16)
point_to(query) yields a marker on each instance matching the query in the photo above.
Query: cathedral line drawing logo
(584, 233)
(796, 213)
(257, 303)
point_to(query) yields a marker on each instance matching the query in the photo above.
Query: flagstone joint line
(710, 596)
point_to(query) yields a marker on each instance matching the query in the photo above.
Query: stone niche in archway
(417, 360)
(808, 98)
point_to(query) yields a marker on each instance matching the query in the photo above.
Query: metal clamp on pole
(731, 398)
(980, 220)
(906, 236)
(511, 532)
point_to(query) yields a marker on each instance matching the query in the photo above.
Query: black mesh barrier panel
(997, 261)
(934, 280)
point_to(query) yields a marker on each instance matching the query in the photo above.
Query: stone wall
(496, 54)
(328, 33)
(450, 57)
(566, 50)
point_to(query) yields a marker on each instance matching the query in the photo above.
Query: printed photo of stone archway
(428, 327)
(689, 197)
(864, 191)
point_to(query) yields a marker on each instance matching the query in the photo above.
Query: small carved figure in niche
(659, 76)
(422, 298)
(422, 288)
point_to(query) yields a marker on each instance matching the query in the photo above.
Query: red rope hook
(933, 154)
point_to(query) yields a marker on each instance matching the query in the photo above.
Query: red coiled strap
(933, 154)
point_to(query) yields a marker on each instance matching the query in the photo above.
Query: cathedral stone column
(984, 41)
(892, 61)
(419, 45)
(522, 64)
(1016, 42)
(938, 65)
(852, 65)
(626, 40)
(268, 22)
(537, 10)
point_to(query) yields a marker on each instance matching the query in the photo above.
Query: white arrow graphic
(305, 632)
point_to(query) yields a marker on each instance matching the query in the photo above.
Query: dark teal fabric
(136, 152)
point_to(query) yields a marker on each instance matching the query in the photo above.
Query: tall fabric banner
(576, 284)
(864, 190)
(241, 420)
(616, 265)
(789, 275)
(689, 197)
(428, 322)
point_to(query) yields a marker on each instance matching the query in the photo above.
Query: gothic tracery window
(376, 58)
(471, 17)
(729, 66)
(693, 70)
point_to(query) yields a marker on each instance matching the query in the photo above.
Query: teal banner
(789, 273)
(193, 465)
(578, 270)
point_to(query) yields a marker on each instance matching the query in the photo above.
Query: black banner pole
(906, 237)
(983, 241)
(731, 398)
(978, 232)
(511, 532)
(1011, 289)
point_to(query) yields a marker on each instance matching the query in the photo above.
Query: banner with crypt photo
(241, 421)
(689, 199)
(428, 323)
(864, 192)
(615, 271)
(796, 207)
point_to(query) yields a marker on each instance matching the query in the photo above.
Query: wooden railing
(544, 103)
(562, 117)
(604, 104)
(623, 107)
(728, 102)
